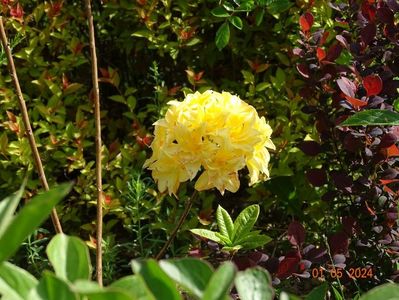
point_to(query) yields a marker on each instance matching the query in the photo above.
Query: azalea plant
(214, 133)
(237, 235)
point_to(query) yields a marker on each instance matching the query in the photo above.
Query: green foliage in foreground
(70, 259)
(15, 229)
(152, 280)
(167, 279)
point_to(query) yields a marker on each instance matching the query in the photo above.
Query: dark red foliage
(368, 33)
(17, 12)
(296, 233)
(310, 148)
(372, 84)
(350, 225)
(303, 70)
(347, 86)
(388, 140)
(306, 21)
(288, 265)
(339, 243)
(359, 72)
(317, 177)
(334, 52)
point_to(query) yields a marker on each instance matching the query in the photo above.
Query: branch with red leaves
(25, 118)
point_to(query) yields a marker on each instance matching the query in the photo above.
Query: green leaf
(254, 241)
(135, 286)
(145, 33)
(208, 234)
(72, 88)
(262, 86)
(108, 294)
(29, 218)
(8, 207)
(388, 291)
(318, 293)
(131, 102)
(396, 105)
(3, 142)
(224, 239)
(92, 291)
(278, 6)
(254, 284)
(51, 287)
(245, 221)
(280, 79)
(222, 36)
(220, 282)
(337, 294)
(118, 98)
(16, 280)
(220, 12)
(161, 286)
(69, 257)
(83, 287)
(192, 274)
(232, 249)
(259, 17)
(7, 292)
(249, 78)
(194, 41)
(286, 296)
(373, 117)
(225, 223)
(236, 21)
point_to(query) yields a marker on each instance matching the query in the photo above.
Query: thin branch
(96, 94)
(183, 217)
(25, 118)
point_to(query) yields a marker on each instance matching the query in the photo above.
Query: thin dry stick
(183, 217)
(25, 118)
(96, 94)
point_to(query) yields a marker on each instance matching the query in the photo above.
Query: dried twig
(96, 94)
(183, 217)
(25, 118)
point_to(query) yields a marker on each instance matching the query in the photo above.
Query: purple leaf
(303, 70)
(310, 148)
(350, 225)
(368, 33)
(342, 40)
(299, 52)
(339, 243)
(288, 265)
(385, 15)
(347, 86)
(341, 180)
(393, 5)
(388, 140)
(389, 173)
(334, 52)
(314, 254)
(339, 259)
(296, 233)
(317, 177)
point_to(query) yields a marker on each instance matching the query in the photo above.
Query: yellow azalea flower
(216, 133)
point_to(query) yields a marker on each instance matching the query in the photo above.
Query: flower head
(216, 133)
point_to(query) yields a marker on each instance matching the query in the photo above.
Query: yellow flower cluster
(214, 132)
